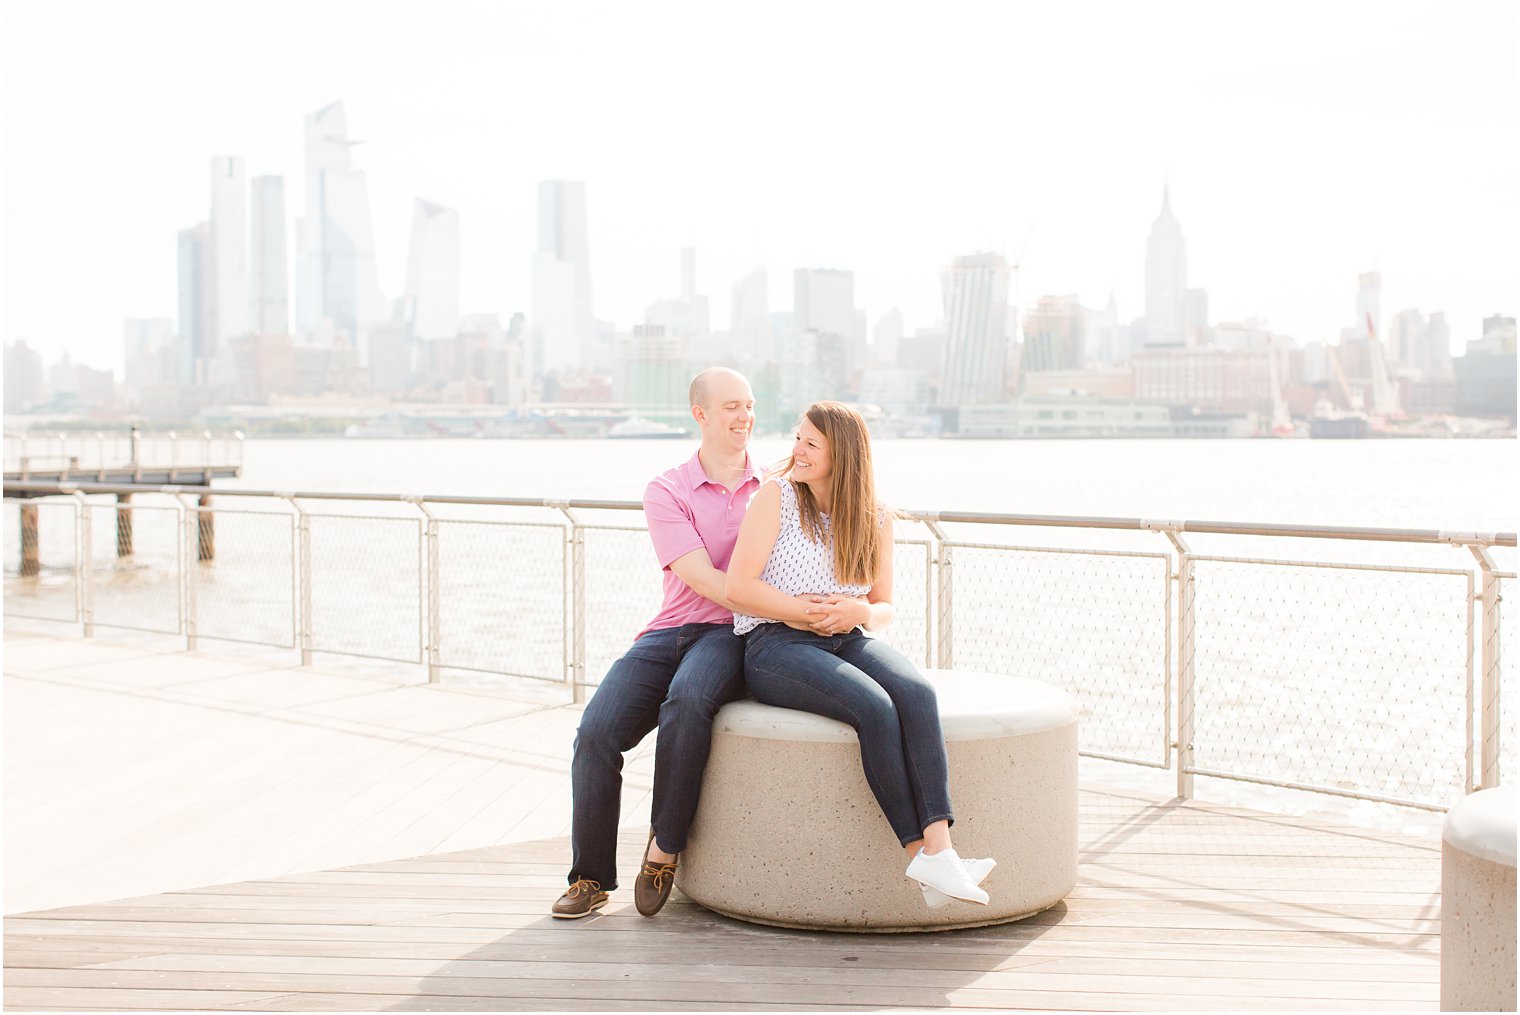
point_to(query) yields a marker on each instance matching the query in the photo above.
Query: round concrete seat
(788, 832)
(1478, 903)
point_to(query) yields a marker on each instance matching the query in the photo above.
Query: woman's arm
(757, 537)
(874, 611)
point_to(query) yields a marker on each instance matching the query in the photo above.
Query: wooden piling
(123, 525)
(31, 556)
(206, 543)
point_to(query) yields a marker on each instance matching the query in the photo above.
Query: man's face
(729, 415)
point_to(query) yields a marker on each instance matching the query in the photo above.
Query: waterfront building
(975, 291)
(24, 382)
(654, 375)
(564, 333)
(391, 350)
(194, 324)
(823, 300)
(1195, 318)
(1209, 380)
(1054, 335)
(338, 286)
(148, 351)
(897, 391)
(1107, 342)
(228, 254)
(1485, 376)
(1111, 382)
(812, 368)
(1165, 279)
(923, 351)
(268, 286)
(885, 339)
(431, 300)
(1064, 416)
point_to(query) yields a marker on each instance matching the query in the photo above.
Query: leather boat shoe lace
(581, 899)
(652, 887)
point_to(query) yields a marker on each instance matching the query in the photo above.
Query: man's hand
(810, 598)
(836, 613)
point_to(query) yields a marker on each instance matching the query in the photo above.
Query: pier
(212, 831)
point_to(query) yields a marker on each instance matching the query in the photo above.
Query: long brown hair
(855, 517)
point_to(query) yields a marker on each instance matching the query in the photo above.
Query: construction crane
(1385, 396)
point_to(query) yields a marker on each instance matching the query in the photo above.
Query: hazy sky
(1304, 142)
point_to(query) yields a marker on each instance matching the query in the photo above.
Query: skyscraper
(1055, 335)
(337, 282)
(564, 334)
(1165, 278)
(228, 254)
(432, 272)
(823, 300)
(750, 316)
(269, 301)
(975, 290)
(194, 305)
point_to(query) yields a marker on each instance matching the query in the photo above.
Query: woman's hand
(836, 614)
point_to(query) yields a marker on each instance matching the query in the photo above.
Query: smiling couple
(770, 583)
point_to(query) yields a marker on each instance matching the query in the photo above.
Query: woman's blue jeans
(675, 678)
(873, 687)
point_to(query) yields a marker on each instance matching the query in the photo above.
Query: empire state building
(1165, 278)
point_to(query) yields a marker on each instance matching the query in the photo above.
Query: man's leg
(710, 675)
(623, 710)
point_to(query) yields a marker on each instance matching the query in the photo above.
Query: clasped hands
(832, 614)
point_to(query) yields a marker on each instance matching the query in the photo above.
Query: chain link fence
(137, 567)
(243, 577)
(366, 590)
(1093, 623)
(1351, 679)
(1509, 698)
(501, 597)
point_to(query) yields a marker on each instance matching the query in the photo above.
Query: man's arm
(696, 569)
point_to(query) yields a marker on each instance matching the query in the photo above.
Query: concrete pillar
(31, 559)
(123, 525)
(206, 544)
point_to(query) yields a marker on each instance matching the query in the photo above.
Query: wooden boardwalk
(1178, 906)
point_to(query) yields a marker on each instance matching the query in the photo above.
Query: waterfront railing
(1363, 679)
(119, 454)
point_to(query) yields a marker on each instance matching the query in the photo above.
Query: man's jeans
(676, 678)
(874, 688)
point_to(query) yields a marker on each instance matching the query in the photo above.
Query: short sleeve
(671, 526)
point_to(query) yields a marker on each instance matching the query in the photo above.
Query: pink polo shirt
(687, 511)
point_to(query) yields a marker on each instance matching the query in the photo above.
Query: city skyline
(1258, 163)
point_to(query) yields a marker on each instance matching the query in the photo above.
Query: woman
(818, 529)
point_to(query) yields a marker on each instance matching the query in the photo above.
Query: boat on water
(644, 429)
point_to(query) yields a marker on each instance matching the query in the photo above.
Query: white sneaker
(945, 871)
(978, 869)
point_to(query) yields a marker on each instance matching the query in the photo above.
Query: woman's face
(810, 454)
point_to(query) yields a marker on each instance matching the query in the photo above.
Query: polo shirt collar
(696, 475)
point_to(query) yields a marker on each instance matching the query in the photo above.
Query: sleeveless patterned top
(797, 564)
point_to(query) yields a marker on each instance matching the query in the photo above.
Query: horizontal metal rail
(1453, 537)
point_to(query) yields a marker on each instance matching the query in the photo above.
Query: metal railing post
(84, 566)
(189, 575)
(1185, 657)
(1488, 727)
(944, 604)
(577, 662)
(303, 551)
(432, 596)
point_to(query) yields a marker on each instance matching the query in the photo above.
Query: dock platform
(192, 831)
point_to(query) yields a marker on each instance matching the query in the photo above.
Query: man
(682, 667)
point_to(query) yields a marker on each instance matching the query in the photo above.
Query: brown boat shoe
(581, 899)
(652, 887)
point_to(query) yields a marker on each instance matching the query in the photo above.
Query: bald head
(709, 386)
